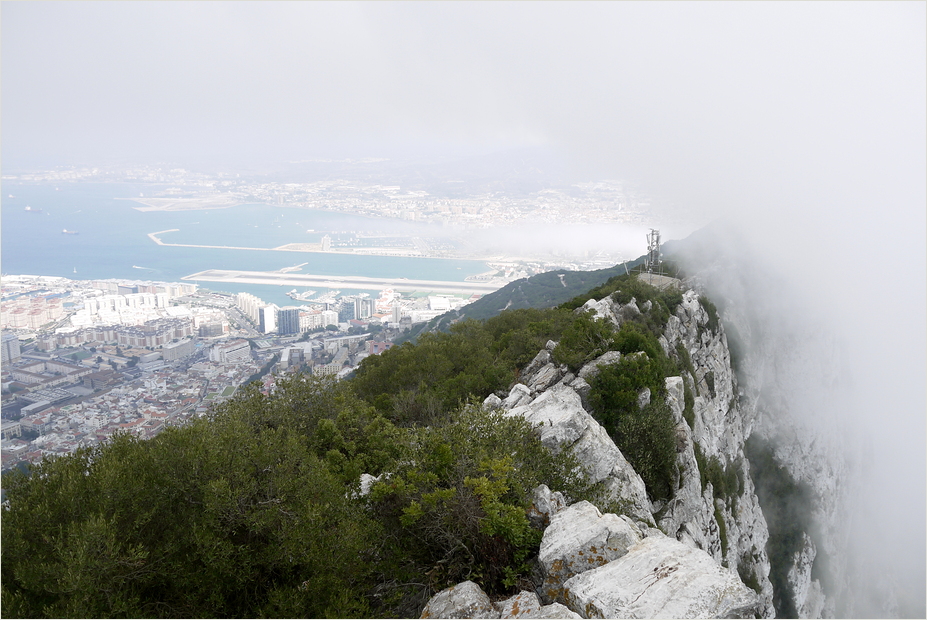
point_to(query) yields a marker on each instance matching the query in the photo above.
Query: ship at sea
(28, 208)
(69, 232)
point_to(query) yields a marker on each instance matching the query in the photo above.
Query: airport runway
(344, 282)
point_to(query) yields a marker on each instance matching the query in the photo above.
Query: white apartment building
(232, 352)
(314, 319)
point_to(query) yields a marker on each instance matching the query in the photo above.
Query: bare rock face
(602, 309)
(519, 606)
(580, 538)
(734, 530)
(809, 598)
(592, 368)
(492, 402)
(563, 424)
(661, 578)
(545, 505)
(527, 605)
(520, 394)
(465, 600)
(554, 610)
(721, 525)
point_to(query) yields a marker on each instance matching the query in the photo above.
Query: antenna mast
(653, 250)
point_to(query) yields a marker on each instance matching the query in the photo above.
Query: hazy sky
(805, 120)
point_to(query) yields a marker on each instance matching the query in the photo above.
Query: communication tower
(653, 250)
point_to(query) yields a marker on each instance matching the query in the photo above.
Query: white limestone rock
(580, 538)
(464, 600)
(601, 309)
(807, 593)
(540, 360)
(520, 394)
(519, 605)
(366, 482)
(544, 377)
(563, 423)
(643, 398)
(545, 505)
(554, 610)
(581, 387)
(492, 402)
(527, 605)
(660, 577)
(592, 368)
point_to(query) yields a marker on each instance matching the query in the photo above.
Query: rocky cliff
(701, 553)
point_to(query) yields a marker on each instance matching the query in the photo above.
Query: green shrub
(727, 481)
(709, 378)
(454, 506)
(633, 337)
(712, 311)
(646, 436)
(685, 360)
(688, 412)
(584, 340)
(221, 518)
(415, 383)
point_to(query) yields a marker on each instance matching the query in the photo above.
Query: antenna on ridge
(653, 251)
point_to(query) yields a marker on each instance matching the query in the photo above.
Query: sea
(111, 239)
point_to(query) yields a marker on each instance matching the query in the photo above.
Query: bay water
(112, 239)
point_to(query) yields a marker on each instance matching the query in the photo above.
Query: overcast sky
(804, 120)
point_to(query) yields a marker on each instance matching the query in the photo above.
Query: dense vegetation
(415, 382)
(256, 509)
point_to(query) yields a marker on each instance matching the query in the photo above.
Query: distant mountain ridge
(543, 290)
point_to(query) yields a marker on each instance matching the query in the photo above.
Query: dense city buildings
(135, 356)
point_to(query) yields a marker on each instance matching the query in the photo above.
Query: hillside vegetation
(256, 509)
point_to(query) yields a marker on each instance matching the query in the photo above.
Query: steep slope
(543, 290)
(793, 391)
(713, 509)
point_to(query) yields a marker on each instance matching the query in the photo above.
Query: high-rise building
(363, 308)
(231, 352)
(288, 321)
(346, 313)
(11, 350)
(177, 350)
(211, 330)
(250, 305)
(268, 319)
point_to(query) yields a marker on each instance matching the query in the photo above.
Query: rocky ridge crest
(689, 557)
